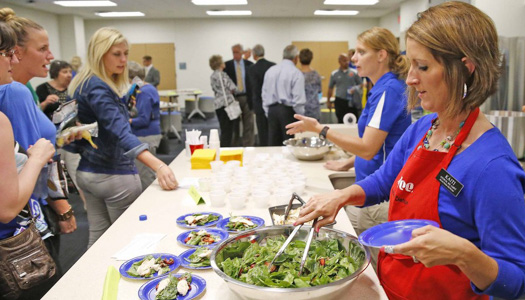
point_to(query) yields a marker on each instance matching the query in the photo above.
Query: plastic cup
(217, 198)
(233, 163)
(216, 165)
(299, 187)
(205, 184)
(238, 200)
(214, 135)
(195, 147)
(261, 199)
(282, 197)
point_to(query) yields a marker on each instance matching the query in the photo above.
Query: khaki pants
(367, 217)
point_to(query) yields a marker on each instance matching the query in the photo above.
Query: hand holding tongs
(294, 232)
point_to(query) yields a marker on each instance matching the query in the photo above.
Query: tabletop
(85, 280)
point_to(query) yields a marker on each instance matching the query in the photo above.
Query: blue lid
(143, 217)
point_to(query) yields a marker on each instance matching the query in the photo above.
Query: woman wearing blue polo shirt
(382, 122)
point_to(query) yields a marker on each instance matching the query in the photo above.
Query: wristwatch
(67, 215)
(322, 134)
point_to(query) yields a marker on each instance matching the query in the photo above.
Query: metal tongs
(294, 232)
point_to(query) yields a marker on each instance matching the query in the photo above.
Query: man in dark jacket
(152, 74)
(236, 69)
(255, 82)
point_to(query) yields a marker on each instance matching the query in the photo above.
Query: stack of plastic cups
(215, 143)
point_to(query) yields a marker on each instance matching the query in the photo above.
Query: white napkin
(187, 182)
(144, 243)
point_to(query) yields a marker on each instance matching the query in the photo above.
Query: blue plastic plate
(186, 264)
(198, 286)
(217, 232)
(181, 223)
(222, 224)
(392, 233)
(125, 266)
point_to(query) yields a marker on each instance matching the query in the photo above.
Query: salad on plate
(201, 238)
(198, 219)
(199, 258)
(150, 266)
(240, 224)
(171, 287)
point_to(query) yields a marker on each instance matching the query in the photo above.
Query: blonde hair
(76, 63)
(20, 25)
(377, 38)
(452, 31)
(99, 45)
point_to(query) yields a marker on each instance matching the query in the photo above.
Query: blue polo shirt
(384, 110)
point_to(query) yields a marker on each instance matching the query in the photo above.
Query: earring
(465, 90)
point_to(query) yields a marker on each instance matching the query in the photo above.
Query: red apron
(414, 195)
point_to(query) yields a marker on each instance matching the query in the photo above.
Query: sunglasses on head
(8, 54)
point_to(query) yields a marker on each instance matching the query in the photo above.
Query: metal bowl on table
(331, 290)
(308, 148)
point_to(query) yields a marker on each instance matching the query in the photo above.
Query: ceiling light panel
(229, 12)
(120, 14)
(219, 2)
(350, 2)
(336, 12)
(85, 3)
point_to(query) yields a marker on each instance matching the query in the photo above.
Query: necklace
(447, 141)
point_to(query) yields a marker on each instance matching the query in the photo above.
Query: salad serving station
(224, 232)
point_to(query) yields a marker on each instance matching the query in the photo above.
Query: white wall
(197, 39)
(391, 22)
(408, 12)
(508, 15)
(49, 22)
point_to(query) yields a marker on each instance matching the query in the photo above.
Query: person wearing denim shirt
(107, 172)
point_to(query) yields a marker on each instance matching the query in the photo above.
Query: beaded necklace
(447, 141)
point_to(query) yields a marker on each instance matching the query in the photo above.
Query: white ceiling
(162, 9)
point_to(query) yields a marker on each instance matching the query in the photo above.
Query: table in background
(195, 93)
(171, 105)
(86, 278)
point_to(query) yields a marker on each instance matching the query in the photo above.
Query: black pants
(342, 108)
(227, 127)
(262, 129)
(279, 116)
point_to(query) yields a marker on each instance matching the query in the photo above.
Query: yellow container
(201, 158)
(227, 155)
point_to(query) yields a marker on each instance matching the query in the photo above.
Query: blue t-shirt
(147, 121)
(29, 125)
(489, 211)
(384, 110)
(28, 121)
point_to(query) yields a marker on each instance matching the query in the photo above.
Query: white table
(172, 105)
(195, 93)
(86, 278)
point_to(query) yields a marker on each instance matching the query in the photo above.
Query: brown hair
(215, 62)
(20, 25)
(378, 38)
(305, 56)
(7, 37)
(452, 31)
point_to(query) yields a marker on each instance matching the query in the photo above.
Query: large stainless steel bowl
(310, 148)
(327, 291)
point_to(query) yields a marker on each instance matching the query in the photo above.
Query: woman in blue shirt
(146, 123)
(382, 122)
(453, 167)
(107, 174)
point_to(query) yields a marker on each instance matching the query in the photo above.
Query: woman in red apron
(452, 167)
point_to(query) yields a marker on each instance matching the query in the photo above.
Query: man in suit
(255, 82)
(152, 74)
(236, 69)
